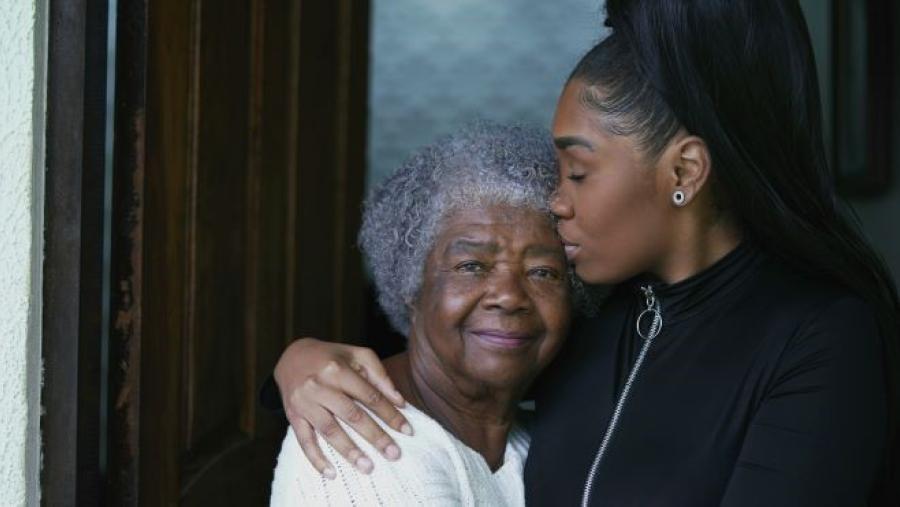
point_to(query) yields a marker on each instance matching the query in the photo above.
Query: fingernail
(364, 465)
(329, 474)
(406, 429)
(399, 398)
(392, 452)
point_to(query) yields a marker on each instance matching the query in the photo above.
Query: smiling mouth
(502, 339)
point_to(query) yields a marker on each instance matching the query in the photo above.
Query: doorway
(217, 225)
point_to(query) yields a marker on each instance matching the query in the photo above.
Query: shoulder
(816, 329)
(424, 475)
(803, 306)
(295, 481)
(839, 330)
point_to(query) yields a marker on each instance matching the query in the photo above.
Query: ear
(686, 165)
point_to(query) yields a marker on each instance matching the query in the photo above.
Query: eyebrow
(463, 245)
(566, 142)
(543, 251)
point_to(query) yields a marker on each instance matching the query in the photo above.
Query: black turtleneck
(763, 387)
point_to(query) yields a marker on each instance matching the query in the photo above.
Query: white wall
(21, 131)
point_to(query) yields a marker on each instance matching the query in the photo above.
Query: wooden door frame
(75, 424)
(73, 256)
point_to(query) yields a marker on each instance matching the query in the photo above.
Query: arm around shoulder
(425, 475)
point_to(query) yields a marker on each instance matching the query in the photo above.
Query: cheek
(449, 301)
(554, 307)
(613, 203)
(621, 223)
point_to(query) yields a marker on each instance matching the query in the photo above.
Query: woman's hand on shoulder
(321, 382)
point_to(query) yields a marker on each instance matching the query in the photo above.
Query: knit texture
(436, 469)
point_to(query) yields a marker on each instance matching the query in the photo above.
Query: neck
(696, 245)
(478, 416)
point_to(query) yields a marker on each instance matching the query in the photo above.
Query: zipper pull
(650, 317)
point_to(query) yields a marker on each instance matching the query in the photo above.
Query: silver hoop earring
(678, 198)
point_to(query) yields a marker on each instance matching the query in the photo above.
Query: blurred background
(217, 159)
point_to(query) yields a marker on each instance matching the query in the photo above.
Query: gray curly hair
(483, 164)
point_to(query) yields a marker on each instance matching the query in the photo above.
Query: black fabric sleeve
(270, 397)
(818, 435)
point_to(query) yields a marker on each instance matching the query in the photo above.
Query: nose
(506, 292)
(560, 206)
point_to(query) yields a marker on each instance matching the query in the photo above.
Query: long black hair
(741, 75)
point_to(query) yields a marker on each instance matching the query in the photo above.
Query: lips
(570, 248)
(502, 339)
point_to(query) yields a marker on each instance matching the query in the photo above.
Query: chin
(504, 378)
(592, 274)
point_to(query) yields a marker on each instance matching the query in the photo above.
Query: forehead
(498, 223)
(575, 118)
(581, 131)
(571, 109)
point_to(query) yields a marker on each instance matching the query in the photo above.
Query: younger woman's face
(612, 211)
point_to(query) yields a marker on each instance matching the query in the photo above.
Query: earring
(678, 198)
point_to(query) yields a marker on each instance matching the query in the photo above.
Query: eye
(575, 177)
(544, 273)
(471, 267)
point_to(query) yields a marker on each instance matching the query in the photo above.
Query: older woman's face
(494, 304)
(612, 215)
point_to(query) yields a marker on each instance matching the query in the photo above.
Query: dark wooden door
(239, 166)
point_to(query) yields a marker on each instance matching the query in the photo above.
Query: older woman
(468, 265)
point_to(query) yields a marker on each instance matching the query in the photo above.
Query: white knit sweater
(435, 469)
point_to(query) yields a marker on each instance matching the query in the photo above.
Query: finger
(352, 413)
(327, 426)
(346, 377)
(372, 398)
(372, 368)
(309, 444)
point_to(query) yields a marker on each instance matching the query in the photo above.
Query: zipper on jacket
(650, 319)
